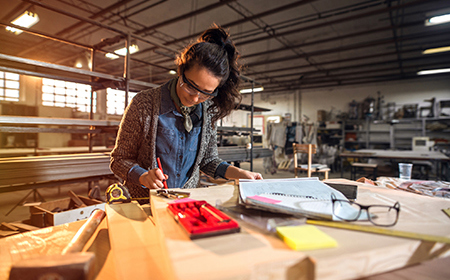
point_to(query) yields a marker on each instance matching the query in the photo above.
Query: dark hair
(215, 51)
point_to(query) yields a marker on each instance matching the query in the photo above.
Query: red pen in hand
(160, 167)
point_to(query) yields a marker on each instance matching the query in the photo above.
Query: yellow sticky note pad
(306, 237)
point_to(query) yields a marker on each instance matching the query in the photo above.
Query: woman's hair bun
(216, 35)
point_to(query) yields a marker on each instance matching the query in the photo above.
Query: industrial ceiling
(285, 45)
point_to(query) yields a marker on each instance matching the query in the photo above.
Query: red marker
(160, 167)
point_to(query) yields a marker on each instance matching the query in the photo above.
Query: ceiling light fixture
(122, 52)
(436, 50)
(249, 90)
(172, 72)
(111, 56)
(434, 71)
(438, 20)
(27, 19)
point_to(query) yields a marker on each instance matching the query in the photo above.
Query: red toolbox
(200, 219)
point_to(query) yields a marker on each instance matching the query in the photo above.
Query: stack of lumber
(29, 172)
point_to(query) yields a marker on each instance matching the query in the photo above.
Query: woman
(176, 121)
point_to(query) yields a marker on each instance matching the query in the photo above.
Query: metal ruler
(380, 230)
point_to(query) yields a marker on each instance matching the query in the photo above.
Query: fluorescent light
(436, 50)
(438, 20)
(111, 56)
(123, 51)
(248, 90)
(434, 71)
(27, 19)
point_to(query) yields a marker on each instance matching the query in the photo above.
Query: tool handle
(84, 233)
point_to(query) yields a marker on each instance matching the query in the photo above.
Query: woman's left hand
(253, 175)
(237, 173)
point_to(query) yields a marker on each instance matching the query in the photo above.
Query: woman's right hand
(153, 179)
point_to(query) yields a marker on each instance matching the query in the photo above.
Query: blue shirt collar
(167, 104)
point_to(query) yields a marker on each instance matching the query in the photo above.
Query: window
(67, 94)
(9, 86)
(115, 101)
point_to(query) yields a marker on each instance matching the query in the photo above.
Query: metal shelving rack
(398, 131)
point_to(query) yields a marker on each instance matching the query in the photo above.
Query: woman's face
(196, 77)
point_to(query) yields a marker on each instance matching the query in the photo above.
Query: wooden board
(249, 254)
(137, 244)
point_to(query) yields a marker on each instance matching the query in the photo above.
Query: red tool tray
(200, 219)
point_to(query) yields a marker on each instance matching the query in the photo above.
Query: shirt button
(182, 137)
(178, 175)
(181, 157)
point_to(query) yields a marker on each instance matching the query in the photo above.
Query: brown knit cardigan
(136, 141)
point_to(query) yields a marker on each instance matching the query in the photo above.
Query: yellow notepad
(306, 237)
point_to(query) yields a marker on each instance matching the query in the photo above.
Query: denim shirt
(176, 148)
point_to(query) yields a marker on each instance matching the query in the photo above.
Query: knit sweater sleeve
(129, 139)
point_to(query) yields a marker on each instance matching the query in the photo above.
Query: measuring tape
(379, 230)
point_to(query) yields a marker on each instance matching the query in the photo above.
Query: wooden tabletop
(252, 254)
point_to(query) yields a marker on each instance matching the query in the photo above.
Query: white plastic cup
(405, 170)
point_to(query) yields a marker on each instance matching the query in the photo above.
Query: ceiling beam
(348, 47)
(338, 21)
(184, 16)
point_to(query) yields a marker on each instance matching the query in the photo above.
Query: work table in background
(252, 254)
(398, 156)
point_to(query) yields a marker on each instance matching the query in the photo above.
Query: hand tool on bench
(70, 265)
(119, 193)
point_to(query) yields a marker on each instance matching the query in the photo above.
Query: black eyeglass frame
(213, 94)
(396, 207)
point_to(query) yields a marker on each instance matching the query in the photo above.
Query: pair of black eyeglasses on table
(379, 215)
(193, 87)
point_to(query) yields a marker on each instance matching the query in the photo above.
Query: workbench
(398, 156)
(253, 254)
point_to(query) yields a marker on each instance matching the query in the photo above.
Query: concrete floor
(14, 199)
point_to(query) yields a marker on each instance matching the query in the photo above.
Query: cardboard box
(53, 213)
